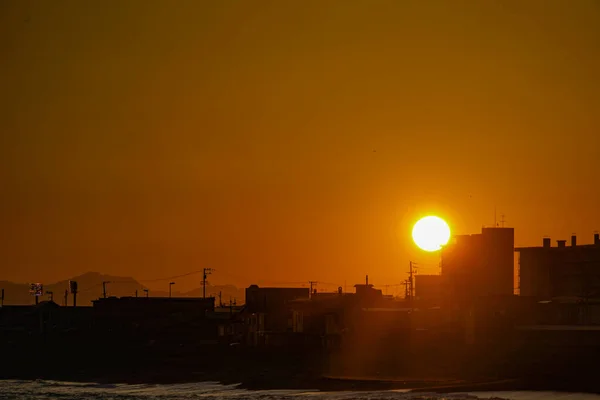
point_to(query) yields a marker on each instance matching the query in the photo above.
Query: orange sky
(152, 138)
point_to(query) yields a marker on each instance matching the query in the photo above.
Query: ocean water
(46, 390)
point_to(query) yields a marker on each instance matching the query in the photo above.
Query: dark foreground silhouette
(297, 368)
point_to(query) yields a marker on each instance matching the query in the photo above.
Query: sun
(431, 233)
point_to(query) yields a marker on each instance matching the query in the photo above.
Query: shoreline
(331, 384)
(252, 369)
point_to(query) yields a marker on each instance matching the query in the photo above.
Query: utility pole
(104, 288)
(73, 286)
(411, 289)
(312, 284)
(205, 273)
(37, 290)
(412, 282)
(405, 283)
(170, 286)
(220, 299)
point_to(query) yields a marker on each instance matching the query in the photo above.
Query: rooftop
(562, 245)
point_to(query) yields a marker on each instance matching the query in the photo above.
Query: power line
(171, 277)
(140, 281)
(207, 271)
(104, 283)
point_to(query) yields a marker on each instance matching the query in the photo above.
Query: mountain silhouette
(90, 288)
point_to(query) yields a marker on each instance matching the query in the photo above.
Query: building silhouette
(268, 314)
(428, 289)
(479, 264)
(549, 272)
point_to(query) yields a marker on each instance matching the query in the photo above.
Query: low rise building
(156, 319)
(45, 318)
(268, 315)
(552, 272)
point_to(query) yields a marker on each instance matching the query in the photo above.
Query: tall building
(479, 264)
(560, 271)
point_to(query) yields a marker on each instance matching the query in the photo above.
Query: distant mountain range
(90, 288)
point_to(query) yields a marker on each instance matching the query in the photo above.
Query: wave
(41, 389)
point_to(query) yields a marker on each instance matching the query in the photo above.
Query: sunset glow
(431, 233)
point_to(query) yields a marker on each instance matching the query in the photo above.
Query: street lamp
(146, 291)
(170, 286)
